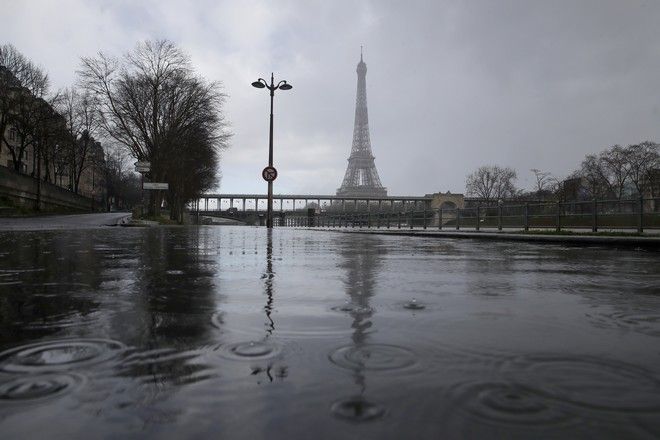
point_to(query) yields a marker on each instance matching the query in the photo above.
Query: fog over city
(451, 85)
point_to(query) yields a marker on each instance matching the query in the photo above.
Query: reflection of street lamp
(283, 85)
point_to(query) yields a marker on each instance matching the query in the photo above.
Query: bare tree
(492, 183)
(48, 135)
(614, 163)
(151, 102)
(643, 160)
(82, 118)
(543, 179)
(593, 176)
(122, 185)
(23, 87)
(546, 184)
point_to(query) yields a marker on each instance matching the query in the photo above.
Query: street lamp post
(270, 173)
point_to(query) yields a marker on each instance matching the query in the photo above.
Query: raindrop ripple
(591, 383)
(508, 404)
(251, 350)
(58, 355)
(29, 389)
(356, 409)
(375, 357)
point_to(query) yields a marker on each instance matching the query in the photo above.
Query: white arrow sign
(155, 185)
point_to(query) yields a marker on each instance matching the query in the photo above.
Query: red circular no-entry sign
(269, 174)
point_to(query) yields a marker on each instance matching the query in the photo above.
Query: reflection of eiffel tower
(362, 263)
(361, 178)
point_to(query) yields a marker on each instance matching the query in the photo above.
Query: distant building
(55, 165)
(572, 189)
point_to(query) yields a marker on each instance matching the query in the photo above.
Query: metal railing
(594, 215)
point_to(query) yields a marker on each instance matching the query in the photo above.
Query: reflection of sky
(525, 84)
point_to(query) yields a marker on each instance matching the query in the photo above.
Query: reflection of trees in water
(170, 305)
(152, 289)
(46, 284)
(174, 290)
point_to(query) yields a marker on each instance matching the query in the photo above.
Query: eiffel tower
(361, 178)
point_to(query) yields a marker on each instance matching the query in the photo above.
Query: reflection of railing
(635, 214)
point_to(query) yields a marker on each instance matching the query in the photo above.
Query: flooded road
(229, 332)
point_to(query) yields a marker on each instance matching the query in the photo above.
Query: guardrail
(633, 214)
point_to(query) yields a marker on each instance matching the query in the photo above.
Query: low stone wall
(22, 190)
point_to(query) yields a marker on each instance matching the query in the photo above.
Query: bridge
(249, 208)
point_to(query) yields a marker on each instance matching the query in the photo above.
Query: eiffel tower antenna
(361, 178)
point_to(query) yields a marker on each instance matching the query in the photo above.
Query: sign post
(142, 167)
(270, 174)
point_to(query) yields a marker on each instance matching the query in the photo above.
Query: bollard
(424, 219)
(458, 219)
(526, 217)
(398, 216)
(499, 217)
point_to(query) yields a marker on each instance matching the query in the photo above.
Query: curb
(646, 242)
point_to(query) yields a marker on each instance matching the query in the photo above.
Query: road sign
(155, 185)
(142, 166)
(269, 174)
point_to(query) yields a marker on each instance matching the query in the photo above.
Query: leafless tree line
(619, 172)
(57, 128)
(492, 183)
(615, 173)
(149, 103)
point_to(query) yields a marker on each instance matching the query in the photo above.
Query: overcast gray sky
(451, 85)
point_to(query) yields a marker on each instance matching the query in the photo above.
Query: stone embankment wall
(22, 190)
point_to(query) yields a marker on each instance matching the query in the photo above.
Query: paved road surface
(77, 221)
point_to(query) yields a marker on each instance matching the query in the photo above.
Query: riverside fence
(594, 215)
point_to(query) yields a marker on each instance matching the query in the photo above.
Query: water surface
(230, 332)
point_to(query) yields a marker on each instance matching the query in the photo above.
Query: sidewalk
(587, 239)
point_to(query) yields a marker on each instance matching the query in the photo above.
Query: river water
(232, 332)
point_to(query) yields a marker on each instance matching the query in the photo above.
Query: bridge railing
(630, 214)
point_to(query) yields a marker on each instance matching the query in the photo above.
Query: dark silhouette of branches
(492, 183)
(152, 103)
